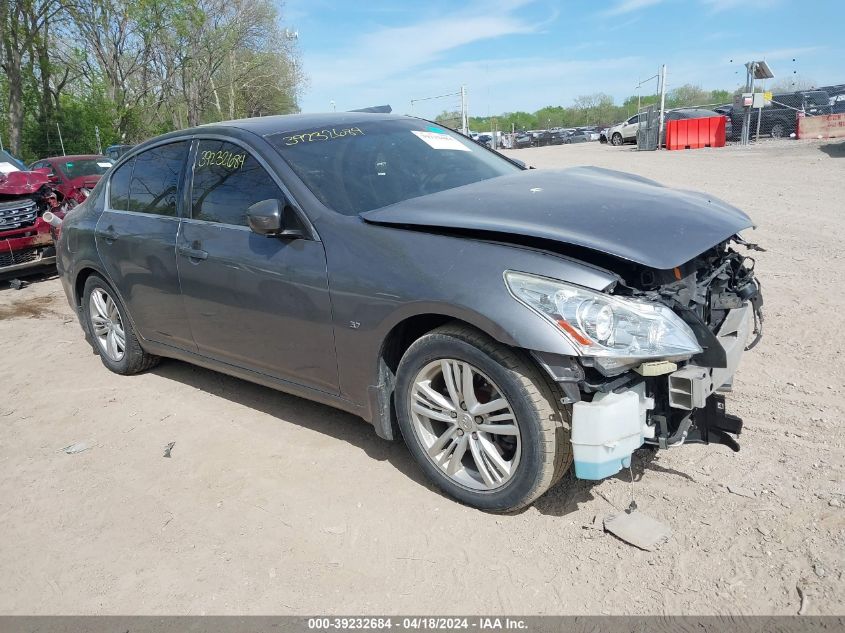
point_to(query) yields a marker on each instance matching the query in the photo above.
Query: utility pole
(60, 139)
(639, 83)
(750, 69)
(464, 123)
(662, 103)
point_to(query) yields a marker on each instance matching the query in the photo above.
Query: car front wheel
(778, 130)
(111, 332)
(616, 139)
(480, 419)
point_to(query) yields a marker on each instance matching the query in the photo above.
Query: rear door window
(227, 181)
(119, 186)
(156, 177)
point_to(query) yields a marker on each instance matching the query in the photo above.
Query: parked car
(625, 132)
(535, 137)
(592, 131)
(780, 118)
(26, 240)
(547, 137)
(506, 320)
(116, 151)
(578, 137)
(485, 140)
(73, 177)
(522, 140)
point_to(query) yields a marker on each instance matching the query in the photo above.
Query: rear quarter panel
(76, 249)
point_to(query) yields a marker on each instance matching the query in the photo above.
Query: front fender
(405, 273)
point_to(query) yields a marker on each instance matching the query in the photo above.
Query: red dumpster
(695, 133)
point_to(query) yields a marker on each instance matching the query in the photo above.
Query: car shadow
(28, 277)
(567, 495)
(834, 150)
(563, 498)
(294, 410)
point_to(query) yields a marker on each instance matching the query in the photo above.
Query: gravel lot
(274, 505)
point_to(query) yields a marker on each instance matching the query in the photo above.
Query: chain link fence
(648, 131)
(772, 116)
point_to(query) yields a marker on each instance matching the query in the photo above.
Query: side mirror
(273, 218)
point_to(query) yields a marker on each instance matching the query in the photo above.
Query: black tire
(544, 427)
(616, 140)
(778, 130)
(135, 359)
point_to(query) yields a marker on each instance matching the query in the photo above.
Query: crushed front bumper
(667, 410)
(27, 247)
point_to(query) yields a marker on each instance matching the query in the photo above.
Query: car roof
(74, 157)
(692, 113)
(282, 123)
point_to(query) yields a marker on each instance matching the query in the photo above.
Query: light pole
(332, 104)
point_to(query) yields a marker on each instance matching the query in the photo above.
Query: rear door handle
(193, 253)
(109, 235)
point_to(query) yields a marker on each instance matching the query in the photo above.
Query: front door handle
(193, 253)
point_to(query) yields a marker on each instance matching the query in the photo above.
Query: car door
(136, 241)
(253, 301)
(629, 130)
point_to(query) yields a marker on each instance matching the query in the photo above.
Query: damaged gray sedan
(505, 322)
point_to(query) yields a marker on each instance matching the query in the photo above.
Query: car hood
(610, 212)
(19, 183)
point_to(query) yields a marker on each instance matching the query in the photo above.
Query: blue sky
(526, 54)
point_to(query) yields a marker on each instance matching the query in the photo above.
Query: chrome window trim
(221, 224)
(131, 156)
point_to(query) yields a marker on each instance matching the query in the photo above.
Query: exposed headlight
(605, 325)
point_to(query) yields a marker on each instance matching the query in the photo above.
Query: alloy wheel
(465, 424)
(106, 324)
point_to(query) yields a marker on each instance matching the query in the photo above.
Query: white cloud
(732, 5)
(629, 6)
(493, 85)
(378, 61)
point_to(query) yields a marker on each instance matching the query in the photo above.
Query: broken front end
(657, 354)
(26, 240)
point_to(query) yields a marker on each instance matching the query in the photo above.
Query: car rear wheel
(111, 332)
(778, 130)
(616, 139)
(480, 419)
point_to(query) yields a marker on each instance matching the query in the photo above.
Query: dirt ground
(274, 505)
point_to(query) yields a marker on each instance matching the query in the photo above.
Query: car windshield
(85, 167)
(367, 165)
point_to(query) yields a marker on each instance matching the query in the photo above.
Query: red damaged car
(73, 177)
(26, 239)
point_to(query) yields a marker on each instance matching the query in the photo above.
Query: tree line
(131, 69)
(594, 109)
(600, 109)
